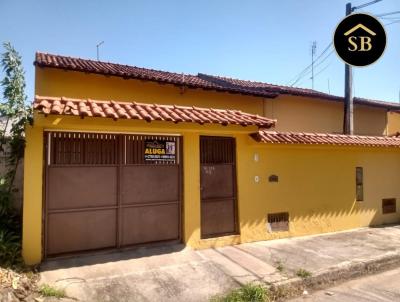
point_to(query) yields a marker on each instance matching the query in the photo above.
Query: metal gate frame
(121, 161)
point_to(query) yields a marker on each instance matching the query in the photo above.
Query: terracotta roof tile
(147, 112)
(260, 86)
(273, 137)
(125, 71)
(203, 81)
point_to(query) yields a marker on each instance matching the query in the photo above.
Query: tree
(14, 110)
(16, 114)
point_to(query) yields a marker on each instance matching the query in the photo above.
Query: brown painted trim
(149, 204)
(121, 153)
(181, 183)
(234, 175)
(82, 209)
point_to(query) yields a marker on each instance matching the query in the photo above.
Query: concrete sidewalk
(383, 287)
(179, 274)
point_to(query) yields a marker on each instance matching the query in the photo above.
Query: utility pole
(313, 52)
(97, 47)
(348, 122)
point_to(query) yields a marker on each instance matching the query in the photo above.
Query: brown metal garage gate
(111, 191)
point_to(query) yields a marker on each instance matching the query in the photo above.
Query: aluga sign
(158, 150)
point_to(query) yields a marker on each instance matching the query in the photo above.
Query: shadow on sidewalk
(105, 256)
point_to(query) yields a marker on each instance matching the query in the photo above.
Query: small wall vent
(278, 222)
(388, 205)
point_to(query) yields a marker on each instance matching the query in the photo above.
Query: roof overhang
(295, 138)
(147, 112)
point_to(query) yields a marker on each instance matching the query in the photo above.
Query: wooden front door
(218, 186)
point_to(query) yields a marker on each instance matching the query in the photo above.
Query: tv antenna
(97, 47)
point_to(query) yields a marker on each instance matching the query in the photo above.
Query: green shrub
(48, 291)
(10, 239)
(302, 273)
(248, 293)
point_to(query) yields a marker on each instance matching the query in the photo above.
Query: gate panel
(149, 184)
(81, 231)
(150, 191)
(81, 192)
(218, 186)
(105, 191)
(143, 224)
(81, 187)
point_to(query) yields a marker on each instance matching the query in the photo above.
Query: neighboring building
(96, 176)
(5, 166)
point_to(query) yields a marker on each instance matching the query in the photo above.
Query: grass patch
(302, 273)
(49, 291)
(247, 293)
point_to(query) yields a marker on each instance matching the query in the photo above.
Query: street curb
(337, 274)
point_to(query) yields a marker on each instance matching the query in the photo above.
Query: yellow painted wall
(301, 114)
(32, 205)
(393, 123)
(294, 113)
(316, 185)
(54, 82)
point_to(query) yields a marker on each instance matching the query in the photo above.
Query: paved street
(175, 273)
(374, 288)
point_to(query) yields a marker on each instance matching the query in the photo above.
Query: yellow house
(120, 156)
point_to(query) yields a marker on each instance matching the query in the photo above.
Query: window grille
(388, 205)
(278, 222)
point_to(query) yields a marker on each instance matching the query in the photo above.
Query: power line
(390, 23)
(308, 67)
(388, 14)
(389, 18)
(323, 69)
(301, 80)
(319, 63)
(315, 66)
(365, 5)
(306, 70)
(324, 59)
(319, 72)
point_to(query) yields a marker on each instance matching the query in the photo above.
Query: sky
(260, 40)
